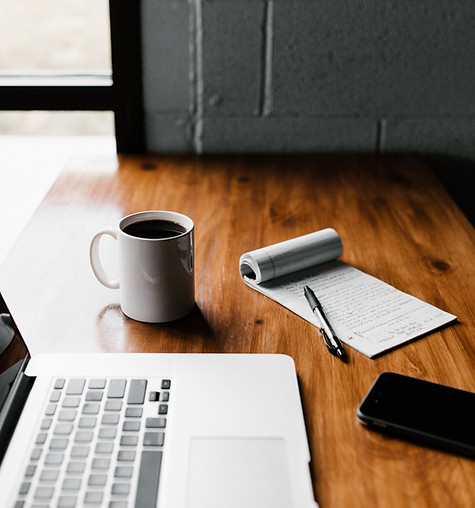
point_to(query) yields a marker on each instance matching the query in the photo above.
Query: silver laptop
(150, 430)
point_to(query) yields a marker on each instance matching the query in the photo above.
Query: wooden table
(396, 223)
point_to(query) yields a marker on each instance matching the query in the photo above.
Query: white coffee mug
(156, 275)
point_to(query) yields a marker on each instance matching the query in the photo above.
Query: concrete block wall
(309, 75)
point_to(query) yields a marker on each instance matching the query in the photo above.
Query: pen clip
(336, 348)
(327, 341)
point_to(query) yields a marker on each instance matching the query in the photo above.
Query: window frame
(119, 91)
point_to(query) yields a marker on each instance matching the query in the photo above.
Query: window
(111, 83)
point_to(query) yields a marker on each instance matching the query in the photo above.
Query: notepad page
(366, 313)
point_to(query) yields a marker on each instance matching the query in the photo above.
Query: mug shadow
(193, 325)
(117, 332)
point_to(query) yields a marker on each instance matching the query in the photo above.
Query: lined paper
(366, 313)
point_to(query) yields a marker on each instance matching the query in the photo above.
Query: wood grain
(396, 222)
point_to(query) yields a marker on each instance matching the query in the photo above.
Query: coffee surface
(154, 229)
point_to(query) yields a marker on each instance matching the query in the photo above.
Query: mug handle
(96, 264)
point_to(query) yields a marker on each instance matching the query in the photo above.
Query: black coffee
(154, 229)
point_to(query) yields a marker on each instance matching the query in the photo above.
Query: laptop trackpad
(237, 473)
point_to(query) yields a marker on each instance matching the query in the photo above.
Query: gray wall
(310, 75)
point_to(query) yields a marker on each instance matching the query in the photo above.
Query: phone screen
(433, 413)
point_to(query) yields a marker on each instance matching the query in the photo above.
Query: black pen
(331, 340)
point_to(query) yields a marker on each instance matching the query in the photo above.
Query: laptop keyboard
(100, 443)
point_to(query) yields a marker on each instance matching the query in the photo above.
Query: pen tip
(341, 354)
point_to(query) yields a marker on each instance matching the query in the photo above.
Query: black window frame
(119, 91)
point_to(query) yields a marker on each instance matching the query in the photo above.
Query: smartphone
(421, 411)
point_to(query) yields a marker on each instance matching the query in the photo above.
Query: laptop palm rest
(237, 472)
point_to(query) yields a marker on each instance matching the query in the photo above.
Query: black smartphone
(421, 411)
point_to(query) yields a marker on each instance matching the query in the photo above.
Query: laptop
(150, 430)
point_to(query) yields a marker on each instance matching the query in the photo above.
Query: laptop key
(24, 488)
(104, 448)
(101, 464)
(153, 438)
(72, 483)
(137, 391)
(87, 422)
(97, 384)
(129, 440)
(149, 476)
(63, 429)
(154, 396)
(83, 436)
(97, 480)
(58, 443)
(50, 410)
(36, 454)
(133, 412)
(75, 386)
(93, 497)
(54, 459)
(94, 395)
(113, 405)
(55, 395)
(30, 470)
(155, 423)
(120, 489)
(91, 408)
(80, 451)
(67, 415)
(41, 438)
(44, 492)
(67, 501)
(123, 472)
(131, 426)
(107, 433)
(49, 475)
(71, 402)
(76, 467)
(126, 456)
(116, 389)
(110, 419)
(46, 423)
